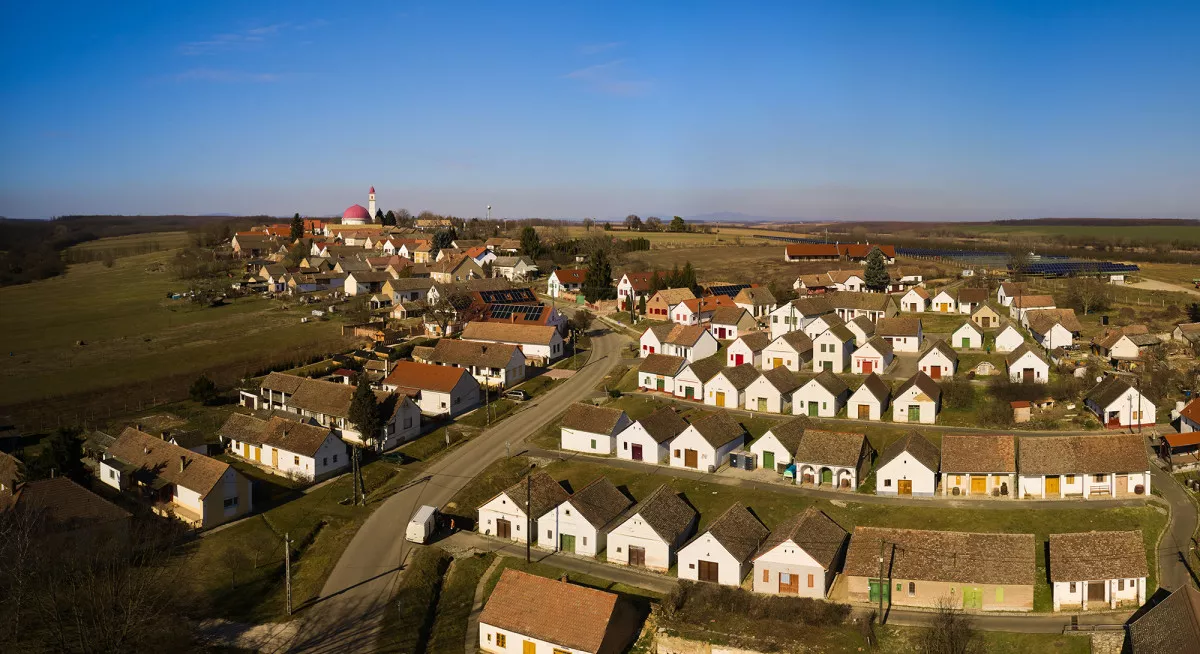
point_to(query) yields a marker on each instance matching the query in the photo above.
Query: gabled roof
(161, 459)
(879, 345)
(782, 379)
(839, 332)
(509, 333)
(1015, 355)
(673, 296)
(662, 364)
(1013, 289)
(289, 435)
(708, 303)
(548, 610)
(831, 448)
(685, 335)
(590, 418)
(1097, 555)
(1041, 320)
(738, 531)
(830, 382)
(812, 531)
(741, 376)
(756, 341)
(864, 324)
(942, 347)
(843, 276)
(809, 306)
(798, 340)
(865, 301)
(1192, 410)
(924, 383)
(1109, 391)
(878, 388)
(665, 512)
(423, 376)
(706, 369)
(661, 332)
(919, 290)
(282, 383)
(1026, 301)
(1171, 627)
(790, 433)
(470, 353)
(916, 445)
(664, 424)
(978, 453)
(63, 505)
(570, 275)
(898, 326)
(717, 428)
(755, 295)
(972, 295)
(969, 325)
(944, 556)
(600, 502)
(1099, 454)
(639, 281)
(729, 315)
(543, 491)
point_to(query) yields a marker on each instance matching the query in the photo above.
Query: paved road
(1175, 549)
(347, 617)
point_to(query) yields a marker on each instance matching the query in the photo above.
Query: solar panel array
(1073, 268)
(729, 290)
(523, 312)
(508, 296)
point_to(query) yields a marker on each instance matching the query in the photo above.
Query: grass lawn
(710, 500)
(454, 604)
(408, 618)
(907, 639)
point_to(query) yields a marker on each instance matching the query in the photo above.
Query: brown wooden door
(1027, 375)
(789, 584)
(274, 458)
(904, 486)
(864, 412)
(503, 528)
(708, 571)
(637, 452)
(637, 555)
(867, 367)
(690, 459)
(1095, 591)
(935, 372)
(529, 647)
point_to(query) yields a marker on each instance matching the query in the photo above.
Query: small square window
(691, 566)
(887, 483)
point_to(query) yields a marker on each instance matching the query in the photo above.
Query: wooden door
(661, 383)
(789, 584)
(867, 367)
(979, 485)
(274, 458)
(738, 359)
(966, 342)
(1122, 483)
(813, 408)
(826, 476)
(258, 454)
(637, 452)
(245, 450)
(689, 392)
(935, 372)
(768, 460)
(914, 413)
(762, 404)
(875, 587)
(1095, 591)
(529, 647)
(720, 399)
(864, 412)
(1052, 486)
(503, 528)
(972, 598)
(708, 571)
(778, 363)
(904, 486)
(690, 460)
(637, 555)
(566, 543)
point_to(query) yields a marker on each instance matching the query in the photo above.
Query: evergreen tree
(673, 280)
(389, 219)
(379, 216)
(657, 283)
(442, 239)
(877, 277)
(597, 282)
(297, 232)
(61, 455)
(531, 243)
(687, 278)
(1194, 312)
(364, 410)
(642, 304)
(204, 391)
(677, 224)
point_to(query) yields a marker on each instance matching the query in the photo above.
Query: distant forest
(33, 249)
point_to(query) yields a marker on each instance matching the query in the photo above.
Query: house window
(501, 641)
(549, 533)
(335, 458)
(231, 502)
(593, 443)
(676, 455)
(912, 588)
(568, 511)
(1070, 479)
(1072, 588)
(585, 540)
(325, 461)
(691, 566)
(407, 422)
(1120, 584)
(112, 474)
(887, 483)
(625, 445)
(295, 460)
(766, 575)
(618, 549)
(1100, 478)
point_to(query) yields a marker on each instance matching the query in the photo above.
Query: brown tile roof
(741, 376)
(730, 315)
(831, 448)
(920, 291)
(570, 275)
(812, 531)
(799, 341)
(1013, 289)
(867, 301)
(1016, 354)
(279, 382)
(665, 512)
(880, 345)
(1026, 301)
(544, 492)
(600, 502)
(685, 335)
(812, 306)
(878, 388)
(756, 341)
(553, 611)
(591, 418)
(63, 504)
(899, 326)
(782, 379)
(1171, 627)
(673, 296)
(813, 281)
(289, 435)
(470, 353)
(1102, 453)
(945, 556)
(706, 369)
(971, 326)
(738, 531)
(661, 332)
(508, 333)
(662, 364)
(1041, 320)
(1097, 555)
(423, 376)
(1192, 410)
(915, 444)
(162, 459)
(757, 296)
(942, 347)
(841, 333)
(864, 324)
(664, 424)
(842, 276)
(332, 398)
(922, 381)
(973, 453)
(717, 428)
(709, 303)
(790, 433)
(1108, 391)
(831, 382)
(972, 295)
(639, 281)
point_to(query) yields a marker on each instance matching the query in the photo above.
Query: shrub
(957, 393)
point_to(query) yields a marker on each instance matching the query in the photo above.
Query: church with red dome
(360, 215)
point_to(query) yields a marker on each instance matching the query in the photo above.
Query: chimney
(182, 462)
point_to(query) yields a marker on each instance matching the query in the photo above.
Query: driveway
(348, 614)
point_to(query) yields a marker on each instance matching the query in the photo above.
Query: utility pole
(882, 588)
(287, 568)
(528, 512)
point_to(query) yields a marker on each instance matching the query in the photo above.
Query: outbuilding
(918, 399)
(691, 382)
(1098, 570)
(980, 465)
(822, 396)
(874, 356)
(647, 439)
(870, 400)
(791, 350)
(707, 442)
(579, 524)
(727, 388)
(659, 371)
(506, 515)
(916, 300)
(722, 552)
(909, 466)
(832, 349)
(775, 449)
(1027, 365)
(771, 391)
(940, 360)
(833, 459)
(800, 556)
(747, 348)
(904, 333)
(1009, 339)
(968, 336)
(529, 614)
(1102, 465)
(649, 534)
(592, 429)
(1119, 405)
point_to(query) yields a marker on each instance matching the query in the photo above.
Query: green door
(812, 409)
(972, 598)
(661, 383)
(826, 476)
(914, 413)
(566, 543)
(828, 365)
(966, 342)
(762, 404)
(769, 460)
(873, 587)
(687, 392)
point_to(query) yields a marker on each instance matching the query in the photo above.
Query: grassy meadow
(1157, 233)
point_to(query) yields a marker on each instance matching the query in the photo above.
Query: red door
(935, 372)
(867, 366)
(637, 454)
(738, 359)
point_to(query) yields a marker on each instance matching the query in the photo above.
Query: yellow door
(246, 450)
(720, 399)
(979, 485)
(778, 362)
(529, 647)
(274, 458)
(258, 454)
(1052, 486)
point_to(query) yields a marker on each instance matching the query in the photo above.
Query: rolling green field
(1161, 233)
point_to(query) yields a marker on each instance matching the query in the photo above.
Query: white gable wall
(635, 532)
(762, 389)
(1041, 371)
(730, 571)
(739, 353)
(787, 560)
(768, 443)
(905, 466)
(828, 405)
(780, 354)
(901, 404)
(863, 397)
(635, 434)
(566, 519)
(706, 455)
(1009, 339)
(500, 507)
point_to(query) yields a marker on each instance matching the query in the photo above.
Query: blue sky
(810, 110)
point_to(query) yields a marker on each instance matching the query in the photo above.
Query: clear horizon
(812, 111)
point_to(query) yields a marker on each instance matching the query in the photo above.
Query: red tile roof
(570, 275)
(557, 612)
(424, 376)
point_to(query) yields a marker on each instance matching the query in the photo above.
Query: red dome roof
(356, 211)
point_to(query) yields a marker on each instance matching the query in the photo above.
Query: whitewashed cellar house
(832, 349)
(506, 516)
(791, 350)
(822, 396)
(1098, 570)
(748, 348)
(904, 333)
(592, 429)
(1027, 365)
(968, 336)
(940, 360)
(775, 449)
(1009, 339)
(722, 553)
(1119, 405)
(285, 447)
(870, 400)
(1107, 466)
(727, 388)
(649, 534)
(771, 391)
(909, 466)
(580, 524)
(648, 438)
(979, 465)
(707, 442)
(863, 329)
(691, 382)
(801, 556)
(659, 371)
(918, 399)
(832, 459)
(874, 356)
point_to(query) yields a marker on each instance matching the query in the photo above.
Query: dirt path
(1155, 285)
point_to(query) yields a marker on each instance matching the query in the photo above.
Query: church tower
(371, 203)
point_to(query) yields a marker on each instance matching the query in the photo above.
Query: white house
(758, 300)
(822, 396)
(727, 388)
(592, 429)
(1052, 328)
(970, 299)
(797, 314)
(690, 383)
(800, 557)
(707, 442)
(938, 361)
(1008, 291)
(968, 336)
(870, 400)
(748, 348)
(328, 404)
(580, 524)
(632, 287)
(730, 322)
(771, 390)
(777, 446)
(874, 356)
(653, 531)
(495, 365)
(648, 438)
(565, 280)
(438, 390)
(1081, 578)
(285, 447)
(514, 269)
(722, 552)
(692, 342)
(916, 300)
(822, 324)
(541, 343)
(528, 614)
(651, 341)
(832, 459)
(848, 280)
(982, 465)
(791, 350)
(1009, 339)
(863, 329)
(506, 516)
(1102, 465)
(1119, 405)
(908, 466)
(659, 371)
(832, 349)
(918, 399)
(943, 302)
(1025, 364)
(904, 333)
(1023, 304)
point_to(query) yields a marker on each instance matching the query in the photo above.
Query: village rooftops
(709, 303)
(509, 333)
(570, 275)
(706, 369)
(664, 424)
(62, 504)
(553, 611)
(758, 341)
(738, 531)
(811, 306)
(543, 491)
(880, 345)
(925, 383)
(1171, 627)
(812, 531)
(973, 295)
(289, 435)
(864, 301)
(799, 341)
(717, 428)
(1014, 356)
(756, 296)
(978, 453)
(864, 324)
(742, 376)
(1099, 454)
(916, 445)
(331, 398)
(943, 556)
(591, 418)
(1094, 555)
(662, 364)
(600, 502)
(673, 296)
(1109, 391)
(921, 292)
(831, 382)
(685, 335)
(639, 281)
(282, 383)
(901, 326)
(833, 448)
(878, 388)
(1041, 320)
(942, 347)
(728, 315)
(152, 458)
(471, 353)
(781, 379)
(790, 433)
(1027, 301)
(422, 376)
(842, 333)
(1012, 289)
(665, 512)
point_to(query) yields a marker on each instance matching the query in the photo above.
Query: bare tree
(444, 311)
(950, 632)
